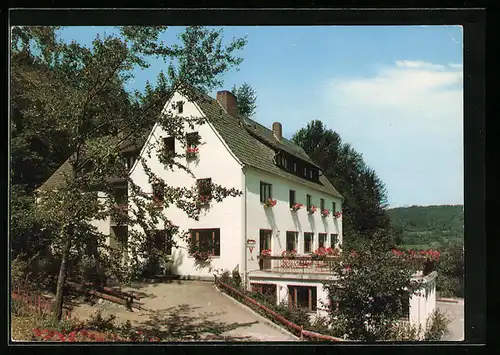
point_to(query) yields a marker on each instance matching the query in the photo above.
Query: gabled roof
(253, 144)
(242, 138)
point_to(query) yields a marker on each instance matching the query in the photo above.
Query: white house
(237, 152)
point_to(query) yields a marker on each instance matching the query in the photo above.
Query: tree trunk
(58, 302)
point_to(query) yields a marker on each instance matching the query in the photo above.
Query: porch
(297, 264)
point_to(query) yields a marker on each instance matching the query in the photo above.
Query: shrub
(64, 325)
(100, 323)
(437, 326)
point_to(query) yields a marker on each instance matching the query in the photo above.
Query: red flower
(37, 332)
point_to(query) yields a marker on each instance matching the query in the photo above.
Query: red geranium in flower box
(270, 203)
(325, 213)
(296, 207)
(312, 209)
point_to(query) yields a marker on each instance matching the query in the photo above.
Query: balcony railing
(297, 264)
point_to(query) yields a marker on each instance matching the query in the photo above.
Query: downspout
(243, 169)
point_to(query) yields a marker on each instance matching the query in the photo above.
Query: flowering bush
(289, 253)
(266, 252)
(84, 335)
(296, 207)
(312, 209)
(270, 203)
(325, 212)
(424, 258)
(192, 150)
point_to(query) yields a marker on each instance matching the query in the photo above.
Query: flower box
(325, 213)
(200, 256)
(289, 253)
(192, 152)
(270, 203)
(312, 209)
(204, 200)
(337, 214)
(265, 252)
(296, 207)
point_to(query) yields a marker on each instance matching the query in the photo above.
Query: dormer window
(284, 162)
(294, 167)
(310, 174)
(305, 171)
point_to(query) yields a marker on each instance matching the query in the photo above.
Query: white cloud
(407, 121)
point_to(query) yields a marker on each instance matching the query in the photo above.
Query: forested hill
(429, 226)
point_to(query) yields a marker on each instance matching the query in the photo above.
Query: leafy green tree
(371, 291)
(365, 194)
(247, 99)
(81, 92)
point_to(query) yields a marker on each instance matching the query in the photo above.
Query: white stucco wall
(282, 292)
(280, 219)
(423, 303)
(216, 162)
(103, 225)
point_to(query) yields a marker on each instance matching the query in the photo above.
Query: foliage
(371, 290)
(73, 99)
(364, 208)
(437, 227)
(247, 98)
(437, 326)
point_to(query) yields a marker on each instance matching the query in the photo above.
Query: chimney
(228, 101)
(277, 130)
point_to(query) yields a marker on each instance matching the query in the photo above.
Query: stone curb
(264, 319)
(448, 300)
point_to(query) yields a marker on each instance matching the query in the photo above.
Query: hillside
(429, 226)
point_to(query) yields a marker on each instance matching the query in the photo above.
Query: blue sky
(394, 93)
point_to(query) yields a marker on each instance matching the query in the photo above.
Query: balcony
(297, 264)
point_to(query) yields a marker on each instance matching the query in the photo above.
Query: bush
(65, 325)
(437, 326)
(100, 323)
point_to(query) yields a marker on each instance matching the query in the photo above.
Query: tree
(371, 291)
(247, 98)
(80, 91)
(364, 214)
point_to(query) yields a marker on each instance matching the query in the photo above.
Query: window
(292, 198)
(322, 240)
(179, 106)
(294, 167)
(305, 171)
(192, 139)
(158, 193)
(204, 189)
(284, 162)
(291, 240)
(334, 208)
(162, 241)
(265, 239)
(302, 297)
(308, 242)
(121, 196)
(169, 145)
(334, 239)
(265, 192)
(207, 240)
(309, 204)
(310, 174)
(322, 204)
(265, 289)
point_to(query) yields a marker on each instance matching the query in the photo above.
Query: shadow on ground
(182, 323)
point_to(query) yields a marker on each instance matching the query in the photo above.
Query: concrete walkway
(455, 312)
(184, 308)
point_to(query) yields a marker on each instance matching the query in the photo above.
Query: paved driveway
(191, 307)
(455, 312)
